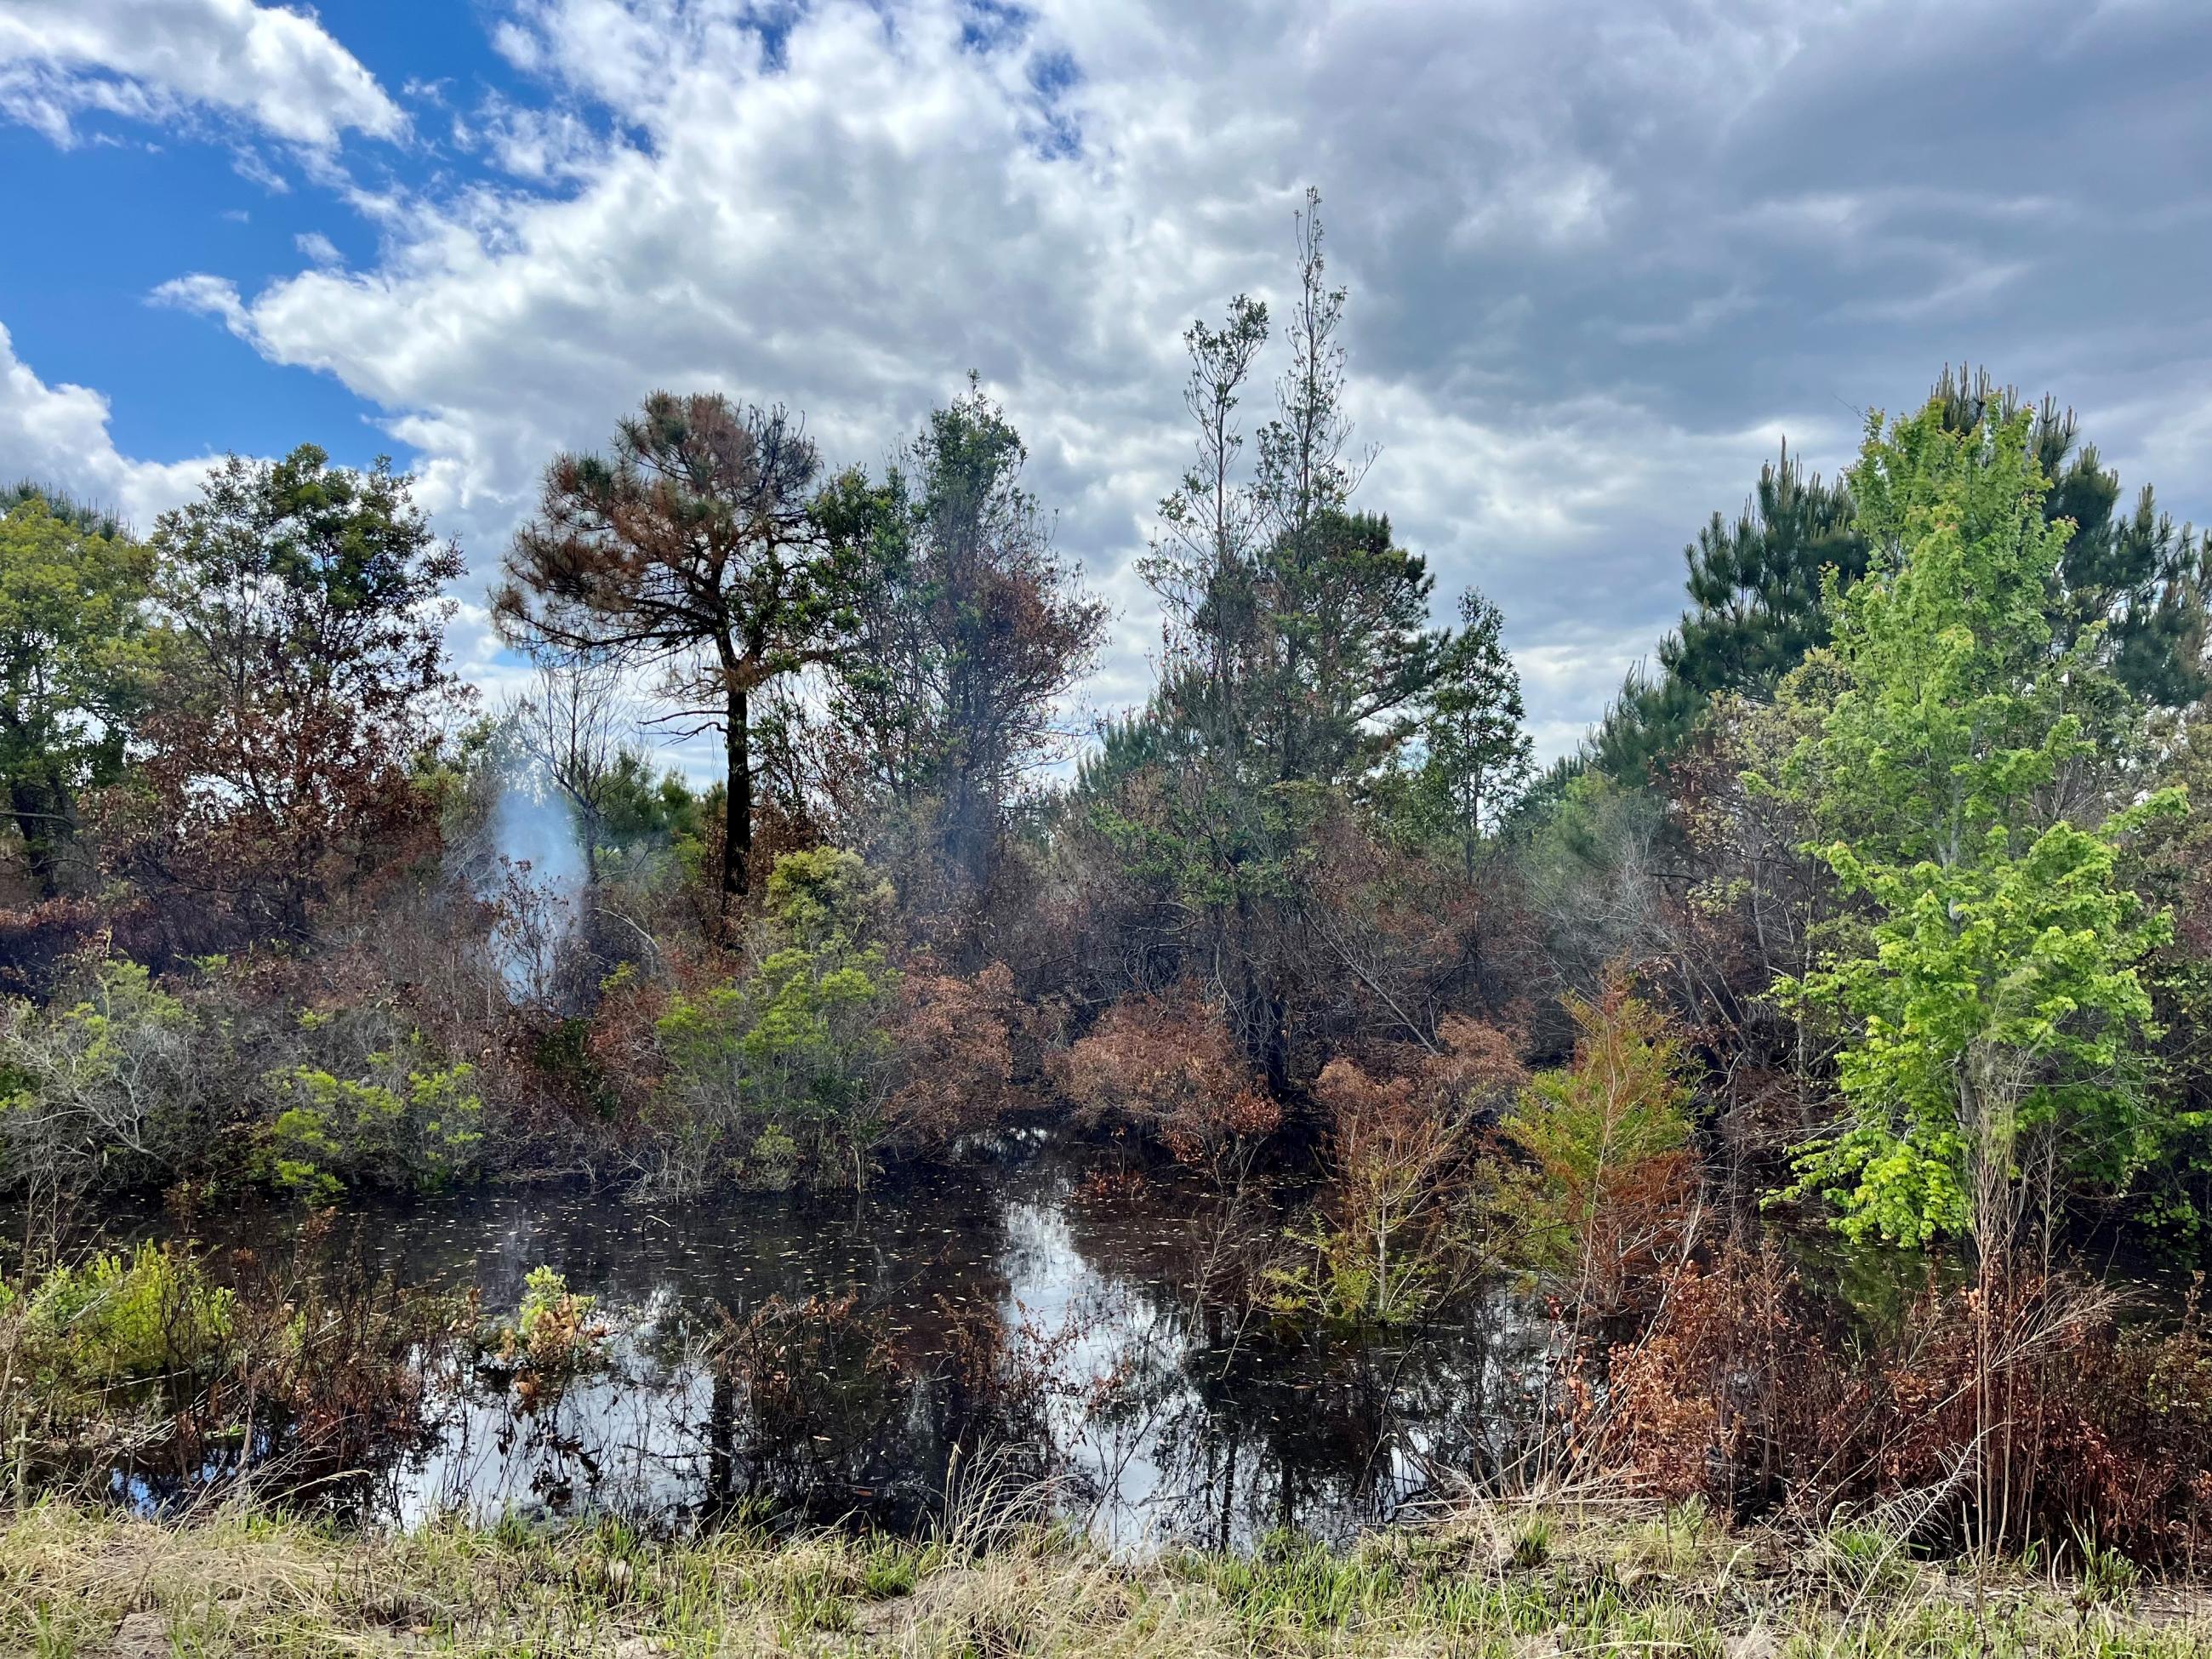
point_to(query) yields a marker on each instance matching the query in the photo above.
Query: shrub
(553, 1337)
(400, 1127)
(1393, 1236)
(796, 1046)
(125, 1317)
(100, 1080)
(1744, 1391)
(1167, 1066)
(952, 1042)
(1604, 1197)
(145, 1362)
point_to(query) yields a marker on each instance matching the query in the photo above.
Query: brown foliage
(1744, 1390)
(1166, 1065)
(305, 671)
(1472, 1071)
(954, 1038)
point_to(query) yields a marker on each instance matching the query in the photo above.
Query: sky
(1603, 255)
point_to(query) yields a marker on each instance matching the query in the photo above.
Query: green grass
(72, 1580)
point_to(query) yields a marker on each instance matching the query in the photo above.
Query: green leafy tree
(75, 666)
(1995, 1011)
(2130, 581)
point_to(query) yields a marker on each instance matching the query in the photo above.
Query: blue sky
(1602, 257)
(128, 204)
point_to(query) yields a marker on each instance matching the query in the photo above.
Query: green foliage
(404, 1127)
(2129, 585)
(1997, 992)
(75, 658)
(124, 1317)
(2131, 582)
(1474, 747)
(792, 1061)
(552, 1333)
(1605, 1139)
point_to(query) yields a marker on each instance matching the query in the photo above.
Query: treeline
(1896, 834)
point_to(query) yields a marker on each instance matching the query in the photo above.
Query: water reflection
(1032, 1317)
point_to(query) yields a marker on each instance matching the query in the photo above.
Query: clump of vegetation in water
(553, 1335)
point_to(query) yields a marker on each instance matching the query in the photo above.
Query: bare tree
(573, 724)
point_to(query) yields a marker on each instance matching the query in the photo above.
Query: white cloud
(57, 435)
(1600, 257)
(276, 68)
(852, 221)
(318, 247)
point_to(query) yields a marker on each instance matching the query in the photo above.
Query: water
(1038, 1318)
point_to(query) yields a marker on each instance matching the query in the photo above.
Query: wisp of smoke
(535, 878)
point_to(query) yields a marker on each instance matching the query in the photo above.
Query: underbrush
(2029, 1412)
(148, 1371)
(74, 1582)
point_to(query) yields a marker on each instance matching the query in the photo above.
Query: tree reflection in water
(1033, 1315)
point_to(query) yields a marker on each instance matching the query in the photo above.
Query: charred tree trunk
(736, 806)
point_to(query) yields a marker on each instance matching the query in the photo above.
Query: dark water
(1130, 1374)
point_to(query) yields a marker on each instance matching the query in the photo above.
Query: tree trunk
(736, 806)
(41, 815)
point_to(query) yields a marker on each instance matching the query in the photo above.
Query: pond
(1039, 1318)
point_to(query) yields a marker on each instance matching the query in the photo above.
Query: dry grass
(76, 1583)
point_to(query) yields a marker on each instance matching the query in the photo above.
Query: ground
(1519, 1583)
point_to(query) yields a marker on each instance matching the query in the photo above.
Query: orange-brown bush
(1167, 1066)
(1745, 1389)
(953, 1038)
(1471, 1073)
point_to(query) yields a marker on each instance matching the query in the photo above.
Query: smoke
(534, 878)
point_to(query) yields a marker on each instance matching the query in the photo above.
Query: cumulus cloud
(1601, 257)
(57, 436)
(273, 67)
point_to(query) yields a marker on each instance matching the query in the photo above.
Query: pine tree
(1755, 590)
